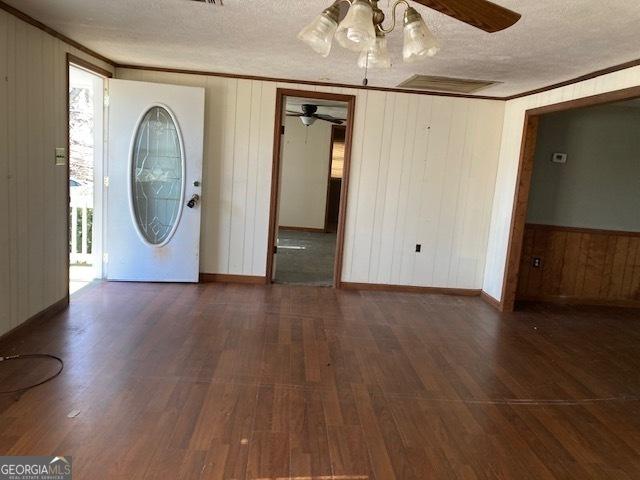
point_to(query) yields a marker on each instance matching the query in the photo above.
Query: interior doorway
(86, 127)
(309, 189)
(548, 260)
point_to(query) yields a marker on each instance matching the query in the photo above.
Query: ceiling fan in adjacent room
(362, 29)
(309, 115)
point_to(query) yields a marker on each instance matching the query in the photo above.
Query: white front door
(154, 173)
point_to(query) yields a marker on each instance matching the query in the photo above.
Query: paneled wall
(423, 171)
(580, 265)
(33, 190)
(509, 160)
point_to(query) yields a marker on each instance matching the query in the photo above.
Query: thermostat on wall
(559, 158)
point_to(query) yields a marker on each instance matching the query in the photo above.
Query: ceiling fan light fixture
(357, 32)
(377, 56)
(419, 42)
(319, 33)
(308, 121)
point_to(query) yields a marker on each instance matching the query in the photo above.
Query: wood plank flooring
(282, 382)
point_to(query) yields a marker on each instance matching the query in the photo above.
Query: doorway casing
(523, 182)
(73, 61)
(350, 100)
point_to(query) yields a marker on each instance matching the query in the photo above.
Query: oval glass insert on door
(157, 176)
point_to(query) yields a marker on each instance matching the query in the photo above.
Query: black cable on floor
(33, 355)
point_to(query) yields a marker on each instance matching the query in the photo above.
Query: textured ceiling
(554, 41)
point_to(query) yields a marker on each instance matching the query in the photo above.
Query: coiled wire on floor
(32, 355)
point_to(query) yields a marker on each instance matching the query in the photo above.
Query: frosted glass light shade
(419, 42)
(319, 33)
(356, 32)
(308, 121)
(377, 56)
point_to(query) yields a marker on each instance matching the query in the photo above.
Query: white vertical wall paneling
(381, 185)
(252, 177)
(409, 184)
(426, 190)
(407, 232)
(5, 273)
(364, 203)
(32, 124)
(388, 202)
(410, 167)
(240, 173)
(452, 160)
(509, 159)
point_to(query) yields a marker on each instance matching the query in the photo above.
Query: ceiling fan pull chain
(365, 80)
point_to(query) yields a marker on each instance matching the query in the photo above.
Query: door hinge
(106, 182)
(275, 249)
(105, 258)
(281, 129)
(106, 98)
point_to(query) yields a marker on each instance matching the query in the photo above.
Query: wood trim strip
(590, 101)
(495, 303)
(302, 229)
(344, 192)
(49, 312)
(306, 82)
(380, 287)
(54, 33)
(334, 129)
(519, 211)
(80, 62)
(228, 278)
(581, 78)
(593, 231)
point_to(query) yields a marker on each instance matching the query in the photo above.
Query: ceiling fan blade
(294, 114)
(329, 118)
(482, 14)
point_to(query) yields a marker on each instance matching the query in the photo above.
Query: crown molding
(54, 33)
(581, 78)
(304, 82)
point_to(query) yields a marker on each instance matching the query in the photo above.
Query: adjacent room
(319, 240)
(312, 163)
(582, 237)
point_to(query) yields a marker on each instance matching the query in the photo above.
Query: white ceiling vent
(445, 84)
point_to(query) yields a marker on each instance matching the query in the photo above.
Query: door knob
(193, 201)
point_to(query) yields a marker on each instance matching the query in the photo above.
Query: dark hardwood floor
(277, 382)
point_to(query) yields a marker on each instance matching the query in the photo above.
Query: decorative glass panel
(157, 175)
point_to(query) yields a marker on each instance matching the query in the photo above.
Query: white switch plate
(559, 158)
(61, 156)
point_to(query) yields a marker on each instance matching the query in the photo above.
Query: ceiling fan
(309, 115)
(362, 29)
(481, 14)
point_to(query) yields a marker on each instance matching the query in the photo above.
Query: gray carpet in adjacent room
(309, 262)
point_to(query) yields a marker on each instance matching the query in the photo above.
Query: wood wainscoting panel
(580, 265)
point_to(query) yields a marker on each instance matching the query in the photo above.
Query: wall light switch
(559, 158)
(61, 156)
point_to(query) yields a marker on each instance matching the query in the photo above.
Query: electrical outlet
(537, 262)
(418, 248)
